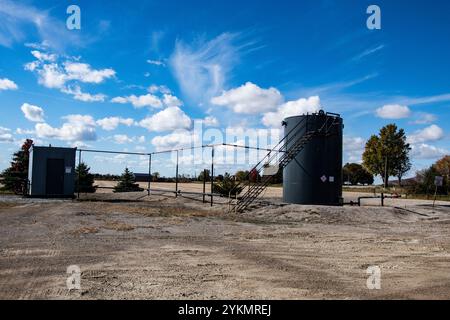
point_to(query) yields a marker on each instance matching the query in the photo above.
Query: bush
(227, 185)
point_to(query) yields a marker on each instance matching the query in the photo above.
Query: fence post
(176, 178)
(204, 184)
(149, 172)
(212, 175)
(435, 194)
(78, 181)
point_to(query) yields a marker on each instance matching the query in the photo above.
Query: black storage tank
(314, 176)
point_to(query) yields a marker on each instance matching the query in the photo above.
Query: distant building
(142, 177)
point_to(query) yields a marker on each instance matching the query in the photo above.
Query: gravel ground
(161, 247)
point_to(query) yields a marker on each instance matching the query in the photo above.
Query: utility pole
(79, 165)
(204, 185)
(212, 175)
(176, 178)
(386, 183)
(149, 172)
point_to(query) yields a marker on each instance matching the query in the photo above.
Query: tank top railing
(284, 152)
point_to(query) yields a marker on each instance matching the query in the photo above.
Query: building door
(55, 177)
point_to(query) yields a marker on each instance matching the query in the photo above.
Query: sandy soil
(161, 247)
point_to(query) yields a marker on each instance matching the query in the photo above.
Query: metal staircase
(277, 159)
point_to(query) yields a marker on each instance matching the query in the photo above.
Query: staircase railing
(283, 153)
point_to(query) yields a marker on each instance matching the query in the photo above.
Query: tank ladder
(277, 159)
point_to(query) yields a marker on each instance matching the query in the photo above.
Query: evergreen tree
(127, 183)
(15, 177)
(86, 182)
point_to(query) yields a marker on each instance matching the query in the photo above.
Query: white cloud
(201, 70)
(122, 138)
(5, 135)
(291, 108)
(32, 113)
(171, 118)
(67, 77)
(249, 99)
(79, 144)
(425, 151)
(42, 56)
(353, 148)
(148, 100)
(76, 128)
(171, 101)
(111, 123)
(393, 111)
(431, 133)
(211, 121)
(177, 139)
(6, 84)
(155, 89)
(24, 131)
(424, 118)
(84, 73)
(156, 62)
(51, 76)
(83, 96)
(31, 66)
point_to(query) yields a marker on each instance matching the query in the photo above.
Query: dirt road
(167, 248)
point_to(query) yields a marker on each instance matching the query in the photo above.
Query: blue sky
(138, 75)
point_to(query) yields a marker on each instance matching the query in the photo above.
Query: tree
(425, 181)
(204, 175)
(127, 183)
(227, 186)
(86, 180)
(403, 165)
(387, 154)
(155, 176)
(443, 168)
(242, 175)
(15, 177)
(357, 174)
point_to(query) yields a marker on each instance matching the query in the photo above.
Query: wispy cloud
(427, 100)
(368, 52)
(202, 68)
(16, 18)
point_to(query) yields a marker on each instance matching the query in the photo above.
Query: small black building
(51, 172)
(142, 177)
